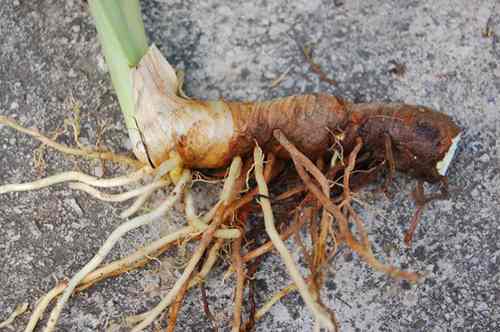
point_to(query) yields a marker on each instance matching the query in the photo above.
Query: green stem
(121, 33)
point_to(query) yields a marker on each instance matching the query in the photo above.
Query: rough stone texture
(234, 50)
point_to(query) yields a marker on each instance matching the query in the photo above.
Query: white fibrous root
(138, 203)
(76, 177)
(118, 197)
(161, 171)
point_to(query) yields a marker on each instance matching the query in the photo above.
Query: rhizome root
(326, 218)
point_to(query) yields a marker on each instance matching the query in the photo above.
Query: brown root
(240, 282)
(363, 249)
(174, 309)
(315, 67)
(421, 200)
(391, 165)
(252, 269)
(206, 307)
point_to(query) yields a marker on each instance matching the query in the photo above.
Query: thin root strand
(240, 282)
(117, 197)
(76, 177)
(87, 153)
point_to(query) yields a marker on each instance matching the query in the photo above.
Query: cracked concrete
(235, 50)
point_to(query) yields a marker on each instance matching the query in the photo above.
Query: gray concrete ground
(234, 50)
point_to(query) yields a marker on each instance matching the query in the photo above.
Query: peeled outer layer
(199, 131)
(208, 134)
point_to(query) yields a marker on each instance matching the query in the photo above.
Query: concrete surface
(234, 50)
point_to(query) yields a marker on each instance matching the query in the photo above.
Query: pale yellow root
(201, 226)
(320, 314)
(211, 213)
(317, 327)
(208, 264)
(138, 203)
(226, 195)
(109, 244)
(20, 309)
(273, 300)
(87, 153)
(78, 177)
(117, 197)
(42, 305)
(161, 171)
(267, 247)
(134, 319)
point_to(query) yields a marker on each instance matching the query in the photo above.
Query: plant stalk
(123, 39)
